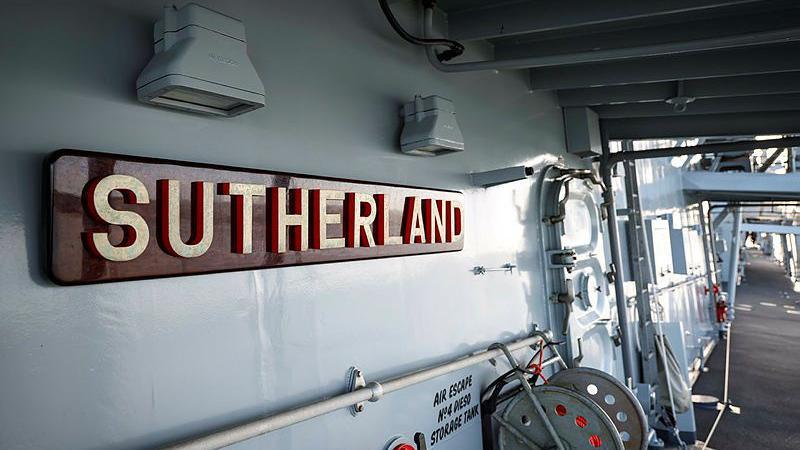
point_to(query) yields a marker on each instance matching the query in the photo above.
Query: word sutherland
(297, 218)
(116, 217)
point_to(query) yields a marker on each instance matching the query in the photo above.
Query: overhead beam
(720, 63)
(744, 186)
(714, 148)
(507, 19)
(764, 84)
(739, 124)
(789, 102)
(770, 228)
(761, 27)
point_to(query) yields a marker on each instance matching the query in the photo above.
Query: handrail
(373, 392)
(690, 280)
(663, 289)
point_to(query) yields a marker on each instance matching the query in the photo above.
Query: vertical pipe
(796, 253)
(707, 235)
(787, 251)
(645, 275)
(733, 263)
(628, 349)
(712, 236)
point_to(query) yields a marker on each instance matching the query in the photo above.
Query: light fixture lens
(208, 100)
(431, 150)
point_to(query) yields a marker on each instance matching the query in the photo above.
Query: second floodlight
(430, 127)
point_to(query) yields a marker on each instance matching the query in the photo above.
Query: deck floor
(765, 366)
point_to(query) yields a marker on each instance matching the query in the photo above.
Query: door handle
(565, 299)
(576, 361)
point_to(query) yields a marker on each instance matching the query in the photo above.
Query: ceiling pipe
(715, 43)
(722, 147)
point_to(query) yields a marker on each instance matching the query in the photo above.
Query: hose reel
(614, 398)
(578, 421)
(587, 408)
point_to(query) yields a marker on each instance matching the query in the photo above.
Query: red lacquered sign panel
(115, 217)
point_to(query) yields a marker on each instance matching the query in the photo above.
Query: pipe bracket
(355, 382)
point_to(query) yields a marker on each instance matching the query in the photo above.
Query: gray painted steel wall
(130, 365)
(660, 184)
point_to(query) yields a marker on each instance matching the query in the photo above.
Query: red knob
(405, 447)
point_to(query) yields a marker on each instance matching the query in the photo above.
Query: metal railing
(372, 392)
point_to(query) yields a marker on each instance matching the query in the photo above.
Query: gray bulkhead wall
(684, 301)
(660, 186)
(136, 364)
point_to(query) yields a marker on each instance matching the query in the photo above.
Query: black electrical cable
(454, 48)
(496, 394)
(504, 378)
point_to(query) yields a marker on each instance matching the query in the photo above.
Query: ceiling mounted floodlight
(430, 127)
(200, 64)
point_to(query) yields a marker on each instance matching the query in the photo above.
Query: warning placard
(454, 406)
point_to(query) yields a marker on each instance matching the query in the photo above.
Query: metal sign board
(115, 217)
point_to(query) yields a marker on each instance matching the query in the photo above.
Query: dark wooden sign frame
(94, 234)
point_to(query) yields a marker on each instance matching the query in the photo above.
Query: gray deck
(765, 367)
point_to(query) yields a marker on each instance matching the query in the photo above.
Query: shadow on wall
(99, 50)
(23, 213)
(530, 257)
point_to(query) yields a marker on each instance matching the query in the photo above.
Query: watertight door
(581, 297)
